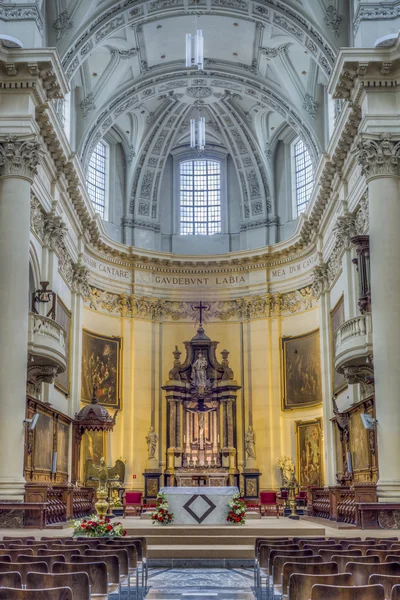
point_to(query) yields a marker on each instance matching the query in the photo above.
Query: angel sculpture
(104, 474)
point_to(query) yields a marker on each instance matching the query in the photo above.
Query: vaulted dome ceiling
(266, 65)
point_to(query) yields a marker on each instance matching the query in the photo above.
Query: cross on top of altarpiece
(201, 307)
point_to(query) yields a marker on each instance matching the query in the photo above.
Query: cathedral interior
(197, 201)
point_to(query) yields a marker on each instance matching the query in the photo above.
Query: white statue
(287, 468)
(199, 370)
(250, 443)
(152, 439)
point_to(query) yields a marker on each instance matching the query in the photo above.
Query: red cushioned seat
(133, 503)
(268, 500)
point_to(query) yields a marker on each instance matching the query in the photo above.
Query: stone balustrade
(353, 343)
(46, 348)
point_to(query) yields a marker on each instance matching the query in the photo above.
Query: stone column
(380, 160)
(321, 292)
(18, 161)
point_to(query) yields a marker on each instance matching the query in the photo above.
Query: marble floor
(200, 584)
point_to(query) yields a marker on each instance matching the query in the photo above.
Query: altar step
(190, 552)
(226, 542)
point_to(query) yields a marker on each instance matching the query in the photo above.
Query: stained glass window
(96, 178)
(200, 197)
(304, 176)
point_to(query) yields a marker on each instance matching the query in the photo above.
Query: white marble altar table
(199, 505)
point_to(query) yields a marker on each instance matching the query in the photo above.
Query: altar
(199, 505)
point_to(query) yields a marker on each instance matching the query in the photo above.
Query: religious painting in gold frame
(309, 452)
(359, 443)
(101, 366)
(94, 447)
(302, 381)
(337, 318)
(64, 318)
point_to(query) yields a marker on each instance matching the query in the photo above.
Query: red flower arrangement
(97, 527)
(237, 510)
(161, 514)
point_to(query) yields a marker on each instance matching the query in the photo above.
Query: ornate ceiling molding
(134, 12)
(375, 11)
(162, 84)
(22, 12)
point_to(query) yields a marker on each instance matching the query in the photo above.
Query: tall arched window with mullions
(303, 175)
(97, 179)
(200, 197)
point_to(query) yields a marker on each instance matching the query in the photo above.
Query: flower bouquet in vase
(237, 510)
(97, 527)
(161, 514)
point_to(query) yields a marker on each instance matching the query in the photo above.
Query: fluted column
(18, 161)
(321, 292)
(380, 160)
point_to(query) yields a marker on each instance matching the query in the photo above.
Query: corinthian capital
(320, 282)
(19, 157)
(379, 156)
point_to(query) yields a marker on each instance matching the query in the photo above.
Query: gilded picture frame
(101, 366)
(309, 452)
(337, 317)
(93, 446)
(301, 370)
(64, 318)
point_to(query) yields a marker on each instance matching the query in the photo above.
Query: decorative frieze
(254, 307)
(19, 157)
(379, 157)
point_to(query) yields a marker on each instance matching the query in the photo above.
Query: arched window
(200, 197)
(97, 179)
(303, 176)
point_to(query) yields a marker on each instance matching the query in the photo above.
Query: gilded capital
(379, 157)
(19, 157)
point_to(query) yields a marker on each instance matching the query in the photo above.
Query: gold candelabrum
(101, 505)
(292, 499)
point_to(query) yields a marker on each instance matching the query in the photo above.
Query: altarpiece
(201, 417)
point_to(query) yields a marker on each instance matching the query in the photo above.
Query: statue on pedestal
(199, 371)
(250, 443)
(151, 439)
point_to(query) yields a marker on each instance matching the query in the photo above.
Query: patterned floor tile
(200, 584)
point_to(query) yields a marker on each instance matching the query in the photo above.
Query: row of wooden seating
(292, 566)
(109, 565)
